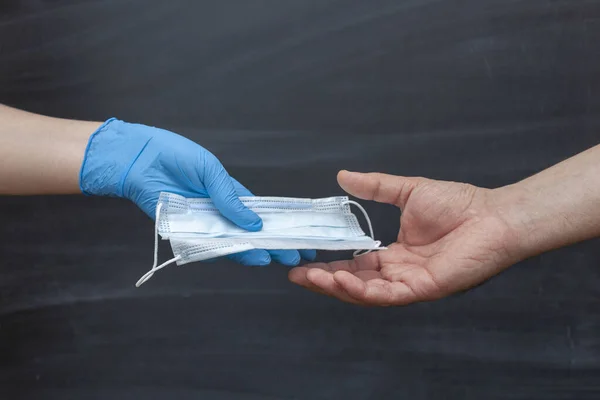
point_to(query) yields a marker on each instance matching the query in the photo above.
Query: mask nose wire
(378, 243)
(155, 268)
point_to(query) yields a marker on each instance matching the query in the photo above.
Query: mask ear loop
(155, 268)
(377, 242)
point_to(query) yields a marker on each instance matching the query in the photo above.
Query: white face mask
(197, 230)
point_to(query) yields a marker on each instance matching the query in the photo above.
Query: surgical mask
(197, 231)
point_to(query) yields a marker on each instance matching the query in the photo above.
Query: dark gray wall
(286, 93)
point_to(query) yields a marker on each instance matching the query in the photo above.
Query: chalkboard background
(286, 93)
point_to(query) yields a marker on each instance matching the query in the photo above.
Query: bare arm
(39, 154)
(556, 207)
(454, 235)
(43, 155)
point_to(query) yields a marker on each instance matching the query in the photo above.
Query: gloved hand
(137, 162)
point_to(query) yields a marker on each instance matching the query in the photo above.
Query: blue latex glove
(137, 162)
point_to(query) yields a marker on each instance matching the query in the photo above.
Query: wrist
(110, 153)
(535, 225)
(511, 203)
(557, 206)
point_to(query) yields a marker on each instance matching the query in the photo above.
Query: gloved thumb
(379, 187)
(221, 190)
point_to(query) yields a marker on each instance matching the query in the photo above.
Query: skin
(42, 155)
(454, 236)
(38, 137)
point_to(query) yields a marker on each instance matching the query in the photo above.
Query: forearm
(556, 207)
(39, 154)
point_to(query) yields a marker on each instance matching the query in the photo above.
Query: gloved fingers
(290, 258)
(251, 258)
(258, 257)
(308, 255)
(219, 186)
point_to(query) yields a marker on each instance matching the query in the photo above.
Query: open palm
(451, 237)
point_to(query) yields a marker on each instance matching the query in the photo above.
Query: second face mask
(197, 231)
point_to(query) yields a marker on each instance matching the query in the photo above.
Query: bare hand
(452, 237)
